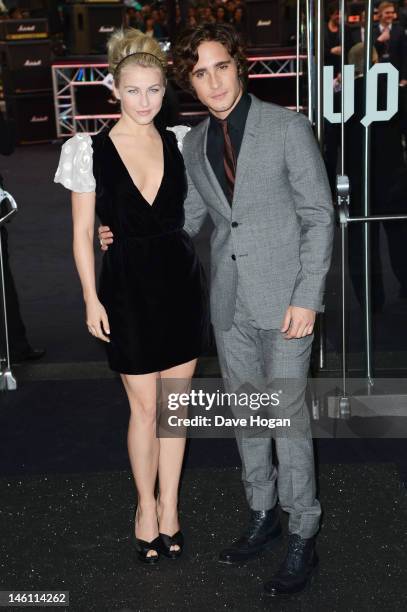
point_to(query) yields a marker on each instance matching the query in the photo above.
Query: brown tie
(229, 159)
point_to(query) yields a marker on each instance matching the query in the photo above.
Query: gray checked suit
(269, 250)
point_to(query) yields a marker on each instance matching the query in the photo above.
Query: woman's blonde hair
(129, 46)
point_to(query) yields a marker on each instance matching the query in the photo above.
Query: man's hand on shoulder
(298, 322)
(105, 237)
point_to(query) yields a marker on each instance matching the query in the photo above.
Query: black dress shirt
(236, 121)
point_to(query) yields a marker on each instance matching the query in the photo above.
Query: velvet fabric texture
(152, 284)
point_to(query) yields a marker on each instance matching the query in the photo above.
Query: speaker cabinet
(23, 29)
(88, 26)
(34, 116)
(265, 26)
(26, 66)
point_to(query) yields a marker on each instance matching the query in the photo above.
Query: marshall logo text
(26, 28)
(32, 63)
(40, 119)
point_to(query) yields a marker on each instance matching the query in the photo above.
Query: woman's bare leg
(143, 447)
(172, 453)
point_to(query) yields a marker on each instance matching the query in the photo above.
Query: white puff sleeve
(180, 131)
(75, 169)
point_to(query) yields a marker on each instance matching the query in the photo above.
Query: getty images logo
(106, 29)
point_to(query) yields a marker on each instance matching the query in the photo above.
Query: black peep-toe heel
(142, 547)
(175, 540)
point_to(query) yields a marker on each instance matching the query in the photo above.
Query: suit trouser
(262, 358)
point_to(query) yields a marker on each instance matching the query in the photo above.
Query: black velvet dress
(152, 284)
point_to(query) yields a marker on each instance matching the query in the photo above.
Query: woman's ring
(101, 242)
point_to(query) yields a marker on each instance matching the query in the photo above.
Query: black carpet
(71, 532)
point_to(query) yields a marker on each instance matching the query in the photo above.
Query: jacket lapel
(247, 149)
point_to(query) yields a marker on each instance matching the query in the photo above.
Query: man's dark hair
(185, 52)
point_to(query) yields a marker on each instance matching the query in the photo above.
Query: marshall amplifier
(48, 9)
(264, 23)
(88, 26)
(26, 66)
(34, 116)
(23, 29)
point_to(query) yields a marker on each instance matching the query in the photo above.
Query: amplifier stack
(25, 58)
(88, 25)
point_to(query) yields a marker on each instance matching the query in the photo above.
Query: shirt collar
(237, 118)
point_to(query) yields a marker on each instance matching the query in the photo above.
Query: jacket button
(234, 224)
(234, 257)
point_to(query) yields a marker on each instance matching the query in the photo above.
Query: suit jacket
(277, 235)
(403, 17)
(396, 48)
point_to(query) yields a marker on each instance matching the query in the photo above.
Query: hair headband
(138, 53)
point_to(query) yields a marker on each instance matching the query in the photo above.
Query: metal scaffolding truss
(274, 67)
(66, 78)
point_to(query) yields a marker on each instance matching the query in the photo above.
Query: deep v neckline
(130, 177)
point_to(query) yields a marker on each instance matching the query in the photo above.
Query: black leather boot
(263, 531)
(297, 568)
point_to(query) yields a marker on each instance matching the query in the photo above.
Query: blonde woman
(150, 308)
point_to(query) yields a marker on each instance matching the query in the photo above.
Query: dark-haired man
(256, 169)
